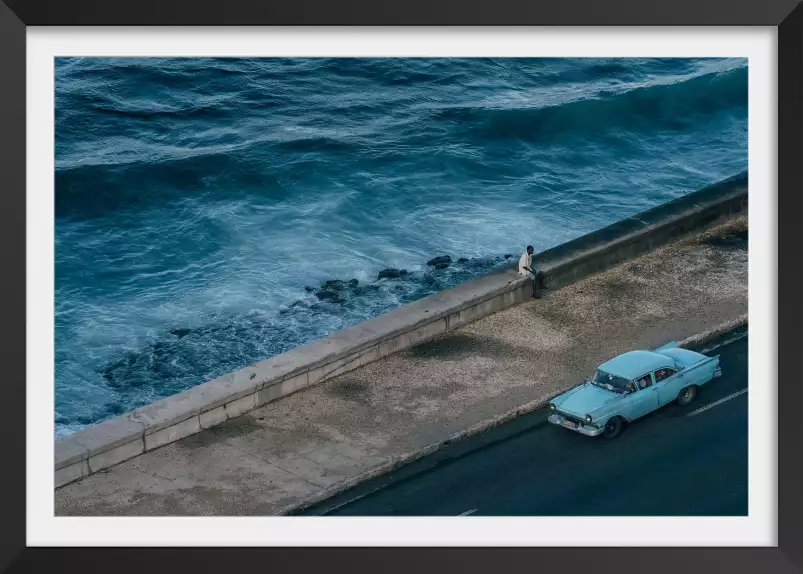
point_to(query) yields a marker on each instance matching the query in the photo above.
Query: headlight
(551, 407)
(588, 418)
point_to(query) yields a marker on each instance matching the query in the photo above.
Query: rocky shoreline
(170, 356)
(337, 290)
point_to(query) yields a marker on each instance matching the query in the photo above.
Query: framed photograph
(445, 284)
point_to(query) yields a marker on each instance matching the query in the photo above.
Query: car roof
(636, 363)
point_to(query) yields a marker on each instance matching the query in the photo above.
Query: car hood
(584, 399)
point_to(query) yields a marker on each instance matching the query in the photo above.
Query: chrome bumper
(587, 430)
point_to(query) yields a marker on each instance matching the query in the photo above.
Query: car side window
(662, 374)
(644, 382)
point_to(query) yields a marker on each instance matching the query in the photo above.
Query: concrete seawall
(211, 403)
(634, 236)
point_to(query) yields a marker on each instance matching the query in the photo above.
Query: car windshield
(611, 382)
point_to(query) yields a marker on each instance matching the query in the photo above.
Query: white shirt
(526, 260)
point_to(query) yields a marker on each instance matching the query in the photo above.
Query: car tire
(687, 395)
(613, 428)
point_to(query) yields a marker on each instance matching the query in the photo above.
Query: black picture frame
(787, 15)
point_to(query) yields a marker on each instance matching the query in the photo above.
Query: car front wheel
(613, 428)
(687, 395)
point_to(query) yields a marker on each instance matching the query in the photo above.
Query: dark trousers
(536, 278)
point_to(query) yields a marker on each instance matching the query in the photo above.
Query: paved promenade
(326, 436)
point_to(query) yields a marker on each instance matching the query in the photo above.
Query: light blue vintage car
(630, 386)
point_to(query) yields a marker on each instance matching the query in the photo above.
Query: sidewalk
(325, 436)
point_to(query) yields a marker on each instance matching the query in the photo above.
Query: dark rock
(309, 289)
(339, 284)
(438, 260)
(333, 289)
(180, 333)
(116, 371)
(392, 273)
(442, 265)
(463, 260)
(329, 295)
(508, 256)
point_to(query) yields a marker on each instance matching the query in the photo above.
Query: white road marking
(719, 402)
(467, 512)
(723, 343)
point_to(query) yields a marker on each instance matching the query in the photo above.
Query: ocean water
(201, 203)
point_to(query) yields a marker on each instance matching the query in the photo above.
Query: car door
(644, 400)
(668, 382)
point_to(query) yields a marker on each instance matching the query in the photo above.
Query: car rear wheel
(687, 395)
(613, 428)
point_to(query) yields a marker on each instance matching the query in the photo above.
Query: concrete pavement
(369, 419)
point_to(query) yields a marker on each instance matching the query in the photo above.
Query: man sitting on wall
(526, 268)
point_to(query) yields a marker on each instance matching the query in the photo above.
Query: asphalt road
(674, 462)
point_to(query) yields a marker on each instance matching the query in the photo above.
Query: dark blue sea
(202, 203)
